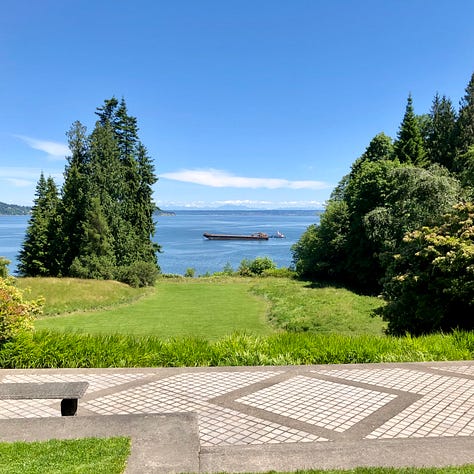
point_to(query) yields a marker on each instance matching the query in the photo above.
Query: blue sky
(258, 102)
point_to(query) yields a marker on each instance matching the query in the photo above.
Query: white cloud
(20, 183)
(22, 177)
(222, 179)
(54, 150)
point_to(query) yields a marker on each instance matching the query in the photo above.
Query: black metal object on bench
(68, 392)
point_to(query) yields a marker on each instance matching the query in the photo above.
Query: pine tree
(441, 135)
(96, 258)
(409, 147)
(465, 125)
(38, 256)
(103, 225)
(74, 197)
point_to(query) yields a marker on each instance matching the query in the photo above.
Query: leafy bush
(4, 262)
(256, 267)
(430, 282)
(16, 314)
(138, 274)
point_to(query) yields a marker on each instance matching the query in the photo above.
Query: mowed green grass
(207, 308)
(87, 455)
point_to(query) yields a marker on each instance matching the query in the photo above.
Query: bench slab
(18, 391)
(68, 392)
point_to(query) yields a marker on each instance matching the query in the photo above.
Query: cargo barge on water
(255, 236)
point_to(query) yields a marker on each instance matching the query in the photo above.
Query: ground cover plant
(87, 455)
(300, 306)
(177, 307)
(46, 349)
(215, 307)
(214, 346)
(67, 295)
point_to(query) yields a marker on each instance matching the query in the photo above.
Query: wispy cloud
(20, 183)
(23, 177)
(54, 150)
(222, 179)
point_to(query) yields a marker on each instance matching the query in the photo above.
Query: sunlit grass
(87, 455)
(64, 295)
(301, 306)
(176, 308)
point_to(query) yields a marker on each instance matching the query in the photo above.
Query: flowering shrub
(16, 314)
(430, 282)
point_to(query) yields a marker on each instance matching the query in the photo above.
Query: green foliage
(4, 262)
(256, 267)
(138, 274)
(409, 146)
(72, 350)
(322, 250)
(441, 139)
(430, 282)
(38, 255)
(102, 227)
(85, 455)
(465, 123)
(190, 272)
(16, 314)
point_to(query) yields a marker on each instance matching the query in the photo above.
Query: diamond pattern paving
(446, 408)
(281, 405)
(326, 404)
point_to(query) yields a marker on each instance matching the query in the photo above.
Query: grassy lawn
(298, 306)
(177, 307)
(203, 307)
(65, 295)
(88, 455)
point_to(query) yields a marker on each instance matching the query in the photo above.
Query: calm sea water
(184, 246)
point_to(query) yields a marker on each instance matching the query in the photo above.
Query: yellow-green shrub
(16, 314)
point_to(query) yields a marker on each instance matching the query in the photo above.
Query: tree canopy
(397, 193)
(101, 223)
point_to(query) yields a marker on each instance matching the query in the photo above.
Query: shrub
(138, 274)
(16, 314)
(430, 282)
(256, 267)
(190, 272)
(4, 262)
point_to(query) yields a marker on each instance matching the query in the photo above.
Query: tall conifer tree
(441, 135)
(38, 255)
(409, 147)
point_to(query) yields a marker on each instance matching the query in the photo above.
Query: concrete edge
(422, 452)
(161, 443)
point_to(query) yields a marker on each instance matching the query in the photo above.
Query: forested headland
(13, 209)
(401, 223)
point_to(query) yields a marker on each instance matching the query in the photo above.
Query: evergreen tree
(441, 134)
(74, 197)
(38, 255)
(465, 124)
(96, 257)
(409, 147)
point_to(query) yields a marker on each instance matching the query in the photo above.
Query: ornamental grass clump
(16, 314)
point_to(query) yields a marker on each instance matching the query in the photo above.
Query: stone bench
(68, 392)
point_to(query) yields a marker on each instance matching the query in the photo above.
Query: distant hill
(13, 210)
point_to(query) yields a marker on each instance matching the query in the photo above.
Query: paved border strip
(165, 443)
